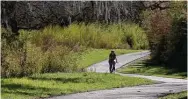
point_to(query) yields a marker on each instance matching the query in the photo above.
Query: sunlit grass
(141, 67)
(51, 84)
(180, 95)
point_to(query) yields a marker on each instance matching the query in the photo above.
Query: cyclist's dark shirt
(112, 57)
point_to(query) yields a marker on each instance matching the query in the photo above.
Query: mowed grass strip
(92, 56)
(51, 84)
(144, 68)
(180, 95)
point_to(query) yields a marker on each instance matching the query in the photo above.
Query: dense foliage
(167, 34)
(38, 14)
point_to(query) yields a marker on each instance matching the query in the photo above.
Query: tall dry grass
(92, 35)
(57, 49)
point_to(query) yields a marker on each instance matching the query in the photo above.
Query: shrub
(135, 36)
(167, 31)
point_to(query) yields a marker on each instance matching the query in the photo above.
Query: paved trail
(164, 85)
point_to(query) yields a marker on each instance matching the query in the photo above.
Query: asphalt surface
(163, 86)
(103, 66)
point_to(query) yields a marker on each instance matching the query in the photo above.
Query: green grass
(181, 95)
(143, 68)
(92, 56)
(51, 84)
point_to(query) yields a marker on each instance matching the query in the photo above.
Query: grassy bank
(45, 85)
(181, 95)
(144, 68)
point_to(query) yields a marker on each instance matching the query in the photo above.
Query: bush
(176, 55)
(32, 58)
(135, 36)
(167, 35)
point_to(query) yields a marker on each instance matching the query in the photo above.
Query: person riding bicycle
(112, 61)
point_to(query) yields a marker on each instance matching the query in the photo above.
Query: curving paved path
(103, 66)
(164, 85)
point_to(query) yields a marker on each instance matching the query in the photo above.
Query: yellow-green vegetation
(92, 56)
(51, 84)
(143, 67)
(181, 95)
(93, 35)
(60, 49)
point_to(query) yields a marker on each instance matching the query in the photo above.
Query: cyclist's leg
(114, 66)
(110, 67)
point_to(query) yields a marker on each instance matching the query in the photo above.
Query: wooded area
(46, 36)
